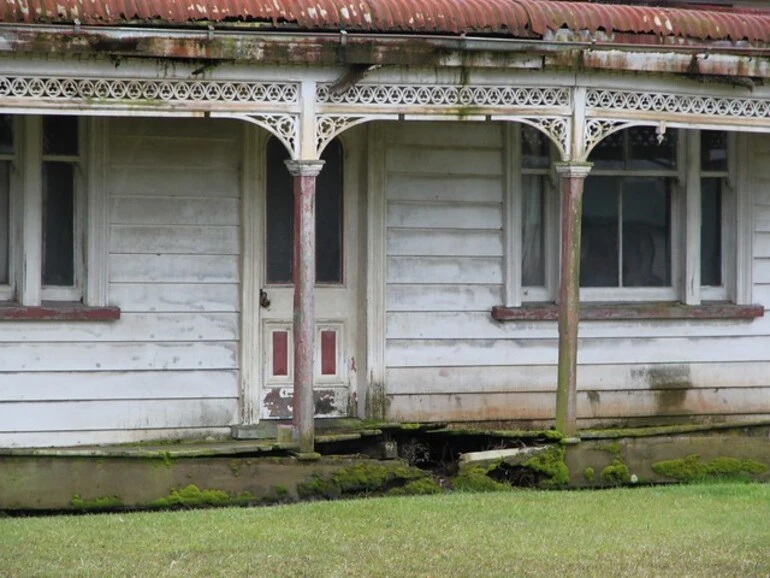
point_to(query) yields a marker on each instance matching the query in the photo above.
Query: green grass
(693, 530)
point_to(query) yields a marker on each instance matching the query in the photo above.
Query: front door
(336, 293)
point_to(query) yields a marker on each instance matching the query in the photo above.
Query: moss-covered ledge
(631, 311)
(57, 311)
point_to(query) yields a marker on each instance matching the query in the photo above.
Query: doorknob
(264, 300)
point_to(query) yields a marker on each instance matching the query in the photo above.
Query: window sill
(57, 311)
(631, 311)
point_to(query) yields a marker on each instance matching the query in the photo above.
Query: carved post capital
(304, 168)
(573, 169)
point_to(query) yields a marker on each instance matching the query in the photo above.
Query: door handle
(264, 300)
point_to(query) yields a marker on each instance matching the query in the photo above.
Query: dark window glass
(609, 153)
(58, 224)
(280, 215)
(711, 233)
(328, 216)
(630, 217)
(6, 134)
(60, 135)
(713, 150)
(534, 148)
(533, 237)
(645, 152)
(599, 233)
(5, 220)
(646, 233)
(639, 149)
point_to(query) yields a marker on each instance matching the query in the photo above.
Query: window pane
(60, 135)
(58, 225)
(6, 134)
(328, 216)
(280, 214)
(609, 153)
(645, 153)
(713, 150)
(5, 221)
(711, 233)
(533, 238)
(599, 233)
(646, 233)
(534, 148)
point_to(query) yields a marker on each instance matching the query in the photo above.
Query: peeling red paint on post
(304, 173)
(573, 178)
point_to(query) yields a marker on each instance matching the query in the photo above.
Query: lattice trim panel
(329, 126)
(596, 130)
(169, 90)
(449, 96)
(628, 101)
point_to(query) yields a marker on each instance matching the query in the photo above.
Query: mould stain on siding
(670, 384)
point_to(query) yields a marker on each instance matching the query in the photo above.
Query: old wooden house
(220, 213)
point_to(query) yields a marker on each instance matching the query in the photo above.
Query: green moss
(357, 479)
(475, 479)
(692, 468)
(162, 458)
(612, 448)
(277, 495)
(100, 503)
(550, 435)
(376, 402)
(616, 473)
(550, 463)
(423, 486)
(235, 468)
(588, 474)
(280, 490)
(191, 496)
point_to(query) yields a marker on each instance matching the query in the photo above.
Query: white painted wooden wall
(168, 367)
(448, 360)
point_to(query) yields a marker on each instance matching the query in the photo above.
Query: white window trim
(514, 292)
(7, 291)
(672, 292)
(75, 292)
(25, 255)
(685, 286)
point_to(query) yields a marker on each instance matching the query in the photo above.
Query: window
(629, 202)
(659, 219)
(280, 216)
(6, 159)
(531, 215)
(43, 206)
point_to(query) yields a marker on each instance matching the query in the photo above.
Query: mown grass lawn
(695, 530)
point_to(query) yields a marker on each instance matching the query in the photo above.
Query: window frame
(25, 287)
(73, 292)
(736, 218)
(343, 216)
(667, 293)
(515, 293)
(8, 290)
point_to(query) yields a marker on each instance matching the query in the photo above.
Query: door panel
(336, 290)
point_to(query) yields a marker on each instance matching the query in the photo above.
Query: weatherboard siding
(168, 368)
(447, 359)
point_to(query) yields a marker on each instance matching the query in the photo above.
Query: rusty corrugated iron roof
(512, 18)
